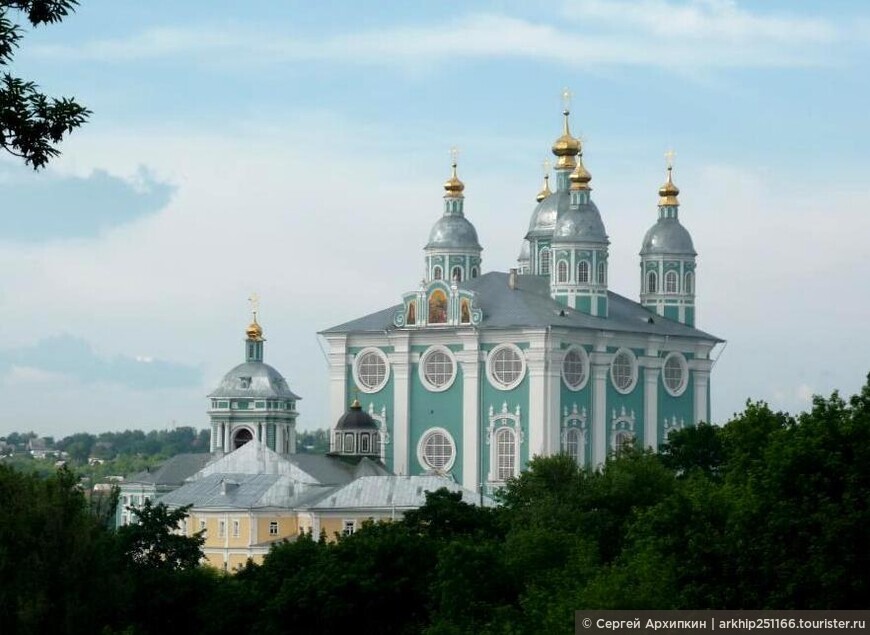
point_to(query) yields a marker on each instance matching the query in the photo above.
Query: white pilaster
(600, 367)
(553, 431)
(337, 377)
(279, 438)
(400, 364)
(651, 403)
(469, 360)
(226, 437)
(536, 357)
(702, 377)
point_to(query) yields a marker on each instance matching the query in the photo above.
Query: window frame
(672, 282)
(584, 358)
(652, 277)
(490, 371)
(684, 372)
(628, 389)
(421, 449)
(500, 470)
(357, 361)
(422, 373)
(562, 271)
(583, 272)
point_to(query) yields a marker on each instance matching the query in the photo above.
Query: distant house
(38, 448)
(149, 484)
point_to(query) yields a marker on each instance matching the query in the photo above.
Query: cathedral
(474, 373)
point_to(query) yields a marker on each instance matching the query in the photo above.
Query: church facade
(473, 373)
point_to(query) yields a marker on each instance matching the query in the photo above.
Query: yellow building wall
(288, 527)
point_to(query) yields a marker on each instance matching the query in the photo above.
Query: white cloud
(711, 34)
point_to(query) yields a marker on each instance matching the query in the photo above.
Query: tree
(152, 542)
(31, 124)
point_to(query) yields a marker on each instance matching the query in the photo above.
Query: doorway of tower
(241, 438)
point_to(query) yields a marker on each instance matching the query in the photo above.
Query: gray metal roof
(385, 492)
(234, 491)
(530, 305)
(453, 231)
(669, 237)
(524, 252)
(580, 224)
(265, 383)
(173, 471)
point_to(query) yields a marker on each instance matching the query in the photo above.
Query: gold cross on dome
(454, 155)
(546, 165)
(254, 299)
(566, 99)
(669, 158)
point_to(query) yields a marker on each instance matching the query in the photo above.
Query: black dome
(356, 419)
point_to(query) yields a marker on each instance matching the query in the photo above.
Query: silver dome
(524, 252)
(254, 380)
(582, 224)
(544, 217)
(668, 236)
(454, 232)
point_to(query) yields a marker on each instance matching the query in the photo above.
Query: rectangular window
(202, 527)
(349, 527)
(236, 529)
(273, 528)
(222, 528)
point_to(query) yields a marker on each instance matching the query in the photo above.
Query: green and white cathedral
(476, 372)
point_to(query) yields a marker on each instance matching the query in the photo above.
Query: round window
(623, 371)
(505, 366)
(436, 450)
(675, 374)
(575, 368)
(437, 368)
(371, 370)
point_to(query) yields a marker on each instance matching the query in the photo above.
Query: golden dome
(453, 186)
(580, 177)
(668, 192)
(545, 191)
(254, 331)
(566, 147)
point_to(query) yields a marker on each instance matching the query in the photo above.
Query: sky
(297, 150)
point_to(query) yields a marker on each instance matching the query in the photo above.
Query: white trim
(510, 421)
(421, 368)
(585, 358)
(495, 383)
(684, 370)
(628, 389)
(355, 370)
(422, 442)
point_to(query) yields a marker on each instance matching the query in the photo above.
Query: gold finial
(545, 191)
(669, 191)
(254, 330)
(566, 147)
(355, 404)
(453, 186)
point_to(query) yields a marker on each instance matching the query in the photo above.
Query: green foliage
(768, 511)
(32, 124)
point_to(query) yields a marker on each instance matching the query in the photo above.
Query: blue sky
(296, 149)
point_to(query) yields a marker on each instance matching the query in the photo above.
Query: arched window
(602, 273)
(364, 443)
(438, 307)
(545, 261)
(348, 443)
(574, 445)
(474, 272)
(506, 454)
(562, 271)
(436, 273)
(337, 442)
(464, 313)
(456, 274)
(689, 285)
(242, 437)
(671, 282)
(652, 282)
(583, 272)
(623, 441)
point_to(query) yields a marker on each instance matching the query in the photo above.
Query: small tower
(551, 206)
(453, 251)
(356, 435)
(667, 259)
(253, 401)
(580, 246)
